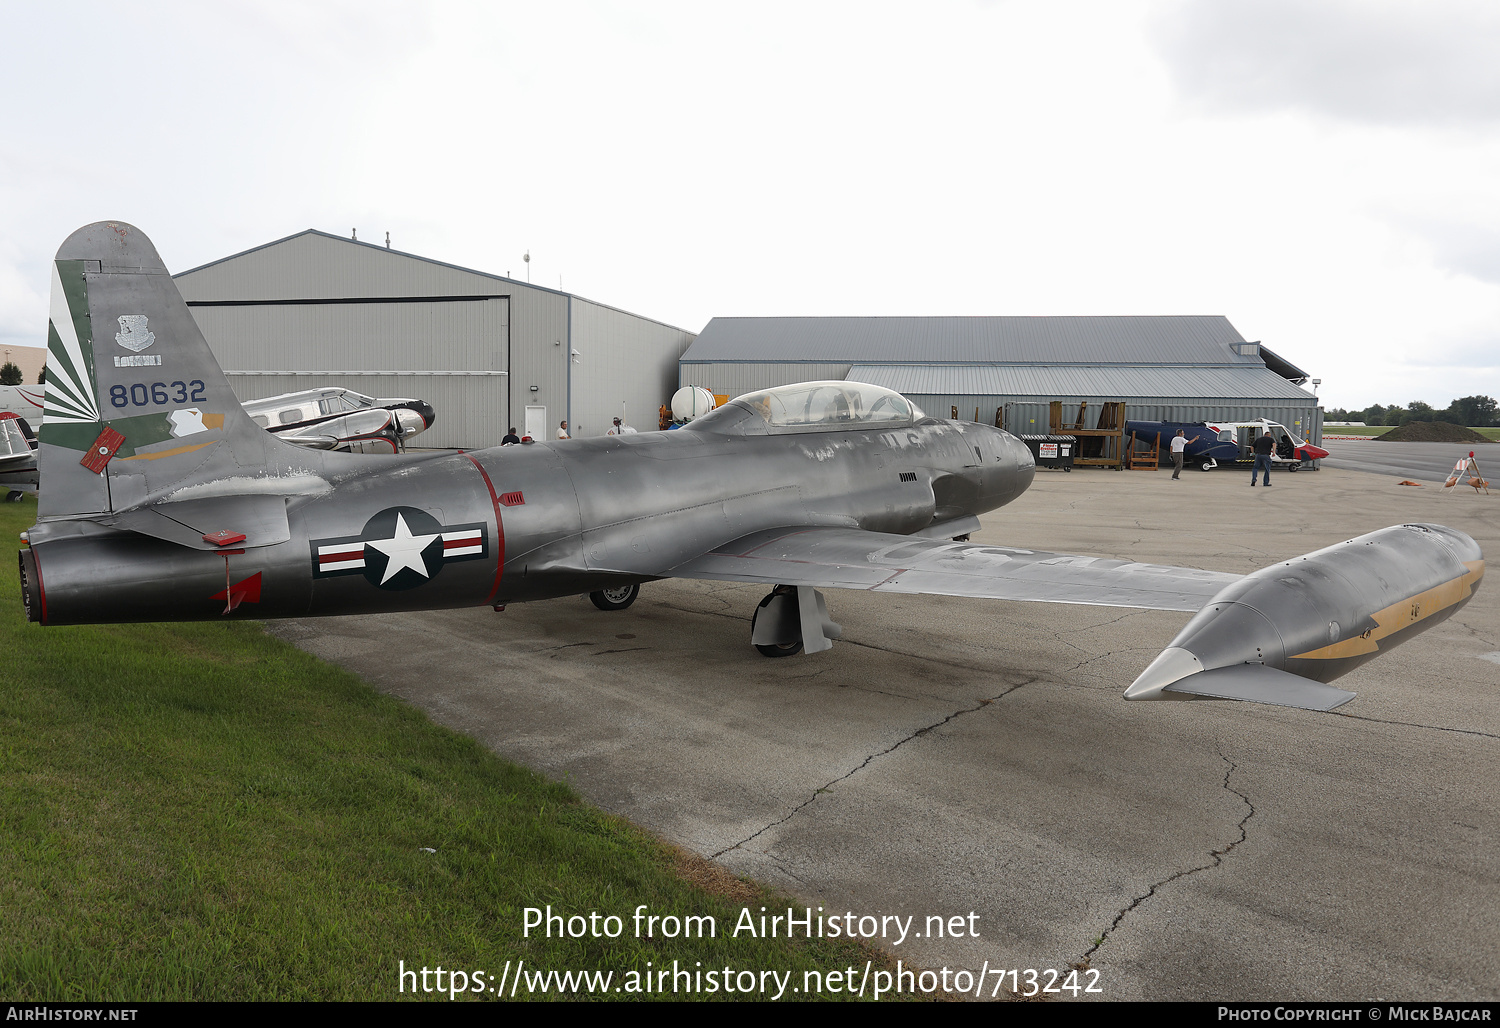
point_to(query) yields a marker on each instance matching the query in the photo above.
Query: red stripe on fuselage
(499, 529)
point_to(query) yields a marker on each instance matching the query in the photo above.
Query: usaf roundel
(400, 548)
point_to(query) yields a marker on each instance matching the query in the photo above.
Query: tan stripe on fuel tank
(1403, 614)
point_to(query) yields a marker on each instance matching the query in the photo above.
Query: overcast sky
(1322, 172)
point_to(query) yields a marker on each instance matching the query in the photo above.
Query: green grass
(201, 811)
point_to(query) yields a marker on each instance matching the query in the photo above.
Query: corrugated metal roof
(1283, 367)
(186, 283)
(1185, 339)
(1117, 381)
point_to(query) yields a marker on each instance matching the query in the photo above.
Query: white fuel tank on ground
(691, 402)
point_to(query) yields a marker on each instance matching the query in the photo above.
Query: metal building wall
(451, 354)
(626, 367)
(731, 378)
(480, 362)
(539, 358)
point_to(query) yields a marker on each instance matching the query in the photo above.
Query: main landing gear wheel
(14, 496)
(616, 599)
(790, 649)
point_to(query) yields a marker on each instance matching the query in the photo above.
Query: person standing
(511, 439)
(562, 431)
(1263, 447)
(1179, 448)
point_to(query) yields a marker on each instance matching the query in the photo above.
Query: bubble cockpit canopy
(813, 406)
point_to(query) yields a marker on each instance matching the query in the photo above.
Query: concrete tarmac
(1423, 462)
(953, 756)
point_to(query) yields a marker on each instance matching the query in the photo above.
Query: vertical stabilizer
(136, 404)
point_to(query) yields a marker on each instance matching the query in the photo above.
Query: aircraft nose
(1008, 472)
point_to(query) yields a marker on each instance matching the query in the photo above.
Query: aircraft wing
(848, 558)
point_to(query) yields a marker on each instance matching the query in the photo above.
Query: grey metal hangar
(1005, 371)
(487, 351)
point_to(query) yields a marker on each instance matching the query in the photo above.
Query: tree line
(1473, 411)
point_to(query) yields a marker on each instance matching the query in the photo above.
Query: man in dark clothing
(1263, 447)
(511, 439)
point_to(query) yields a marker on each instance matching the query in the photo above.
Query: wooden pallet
(1102, 446)
(1143, 460)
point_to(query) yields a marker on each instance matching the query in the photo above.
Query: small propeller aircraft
(164, 501)
(334, 418)
(18, 467)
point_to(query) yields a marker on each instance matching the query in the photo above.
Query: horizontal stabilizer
(1260, 684)
(260, 518)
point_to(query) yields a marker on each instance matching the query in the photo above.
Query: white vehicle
(24, 402)
(333, 418)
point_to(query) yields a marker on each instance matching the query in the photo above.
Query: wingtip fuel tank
(1279, 634)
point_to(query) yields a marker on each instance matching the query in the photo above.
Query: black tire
(14, 496)
(961, 538)
(1068, 468)
(616, 599)
(1204, 467)
(1294, 467)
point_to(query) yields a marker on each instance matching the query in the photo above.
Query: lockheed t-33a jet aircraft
(163, 501)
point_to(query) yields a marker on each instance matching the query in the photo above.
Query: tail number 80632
(142, 395)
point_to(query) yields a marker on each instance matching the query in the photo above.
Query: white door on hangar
(536, 422)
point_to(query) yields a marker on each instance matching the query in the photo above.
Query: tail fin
(136, 405)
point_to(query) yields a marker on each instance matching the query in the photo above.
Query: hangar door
(453, 351)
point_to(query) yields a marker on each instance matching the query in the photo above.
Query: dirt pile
(1433, 432)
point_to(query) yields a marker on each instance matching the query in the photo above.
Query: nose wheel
(616, 599)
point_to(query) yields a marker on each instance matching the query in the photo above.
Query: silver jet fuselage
(528, 522)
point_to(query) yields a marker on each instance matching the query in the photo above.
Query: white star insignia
(404, 551)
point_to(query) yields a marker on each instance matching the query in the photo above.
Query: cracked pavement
(952, 755)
